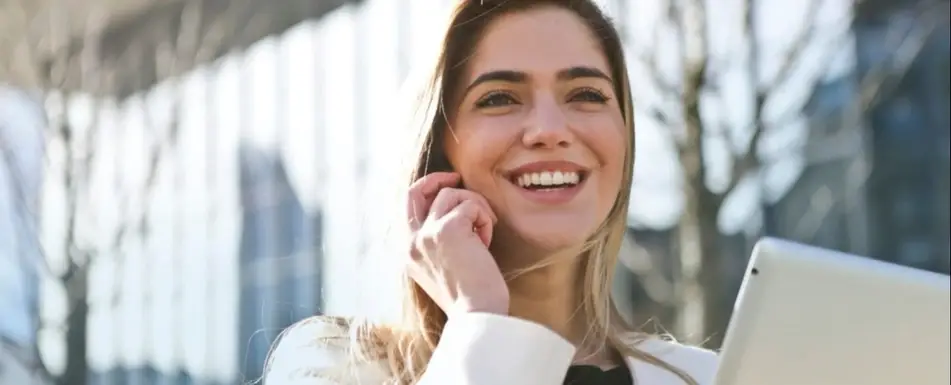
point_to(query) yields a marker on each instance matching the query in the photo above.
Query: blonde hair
(406, 346)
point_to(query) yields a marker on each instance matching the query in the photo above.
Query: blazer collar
(644, 372)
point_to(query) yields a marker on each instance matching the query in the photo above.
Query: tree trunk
(699, 285)
(701, 316)
(76, 372)
(690, 294)
(716, 314)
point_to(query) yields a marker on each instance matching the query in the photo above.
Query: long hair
(407, 346)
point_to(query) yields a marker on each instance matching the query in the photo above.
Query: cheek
(607, 138)
(614, 170)
(478, 149)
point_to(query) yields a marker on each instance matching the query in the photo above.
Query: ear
(440, 162)
(440, 159)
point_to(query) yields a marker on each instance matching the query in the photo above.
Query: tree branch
(746, 158)
(694, 45)
(879, 80)
(666, 88)
(823, 203)
(641, 263)
(649, 60)
(81, 150)
(27, 214)
(885, 75)
(793, 55)
(169, 65)
(34, 363)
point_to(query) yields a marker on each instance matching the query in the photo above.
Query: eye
(496, 99)
(589, 95)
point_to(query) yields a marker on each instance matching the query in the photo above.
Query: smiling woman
(516, 209)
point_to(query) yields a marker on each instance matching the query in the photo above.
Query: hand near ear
(451, 230)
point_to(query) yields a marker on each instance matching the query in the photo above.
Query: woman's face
(538, 130)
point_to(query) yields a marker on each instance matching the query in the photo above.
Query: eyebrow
(511, 76)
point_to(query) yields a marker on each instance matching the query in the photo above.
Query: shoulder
(317, 351)
(699, 363)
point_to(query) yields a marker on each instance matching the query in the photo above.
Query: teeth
(548, 178)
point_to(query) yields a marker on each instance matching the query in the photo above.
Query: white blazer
(475, 349)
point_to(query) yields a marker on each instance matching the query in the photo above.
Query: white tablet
(810, 316)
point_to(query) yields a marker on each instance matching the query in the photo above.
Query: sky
(315, 76)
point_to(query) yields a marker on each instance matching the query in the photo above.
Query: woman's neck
(539, 297)
(551, 295)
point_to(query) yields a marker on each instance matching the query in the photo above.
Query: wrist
(499, 309)
(499, 306)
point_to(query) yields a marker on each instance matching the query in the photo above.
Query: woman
(516, 213)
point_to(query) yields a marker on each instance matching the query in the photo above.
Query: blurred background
(182, 179)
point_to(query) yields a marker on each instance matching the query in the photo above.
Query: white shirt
(474, 349)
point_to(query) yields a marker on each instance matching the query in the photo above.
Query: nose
(547, 125)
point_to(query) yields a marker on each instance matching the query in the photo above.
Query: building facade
(876, 182)
(21, 146)
(909, 129)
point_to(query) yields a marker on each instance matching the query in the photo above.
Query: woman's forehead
(541, 41)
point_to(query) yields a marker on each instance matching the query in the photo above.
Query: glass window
(915, 252)
(909, 206)
(902, 122)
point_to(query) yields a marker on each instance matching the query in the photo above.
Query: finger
(485, 204)
(473, 217)
(423, 191)
(430, 184)
(446, 200)
(449, 198)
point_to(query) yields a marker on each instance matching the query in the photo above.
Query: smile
(548, 179)
(549, 182)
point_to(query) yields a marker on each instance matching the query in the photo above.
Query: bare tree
(45, 68)
(699, 86)
(20, 156)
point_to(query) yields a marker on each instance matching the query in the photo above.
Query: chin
(553, 237)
